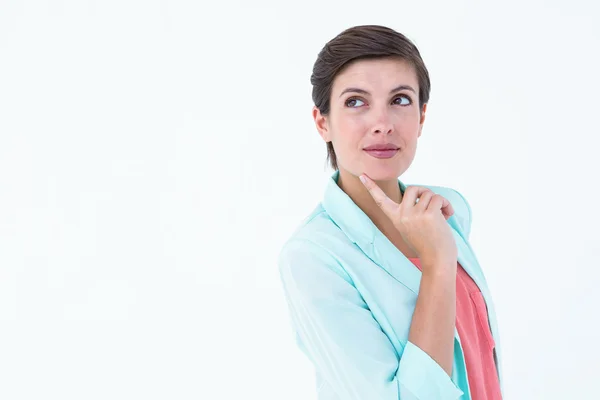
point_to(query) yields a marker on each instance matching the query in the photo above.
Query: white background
(155, 155)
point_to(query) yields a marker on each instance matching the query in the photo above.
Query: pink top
(475, 337)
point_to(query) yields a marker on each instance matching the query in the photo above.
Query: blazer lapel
(387, 256)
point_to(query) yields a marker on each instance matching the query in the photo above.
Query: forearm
(433, 322)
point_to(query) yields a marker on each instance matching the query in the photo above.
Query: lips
(377, 147)
(388, 152)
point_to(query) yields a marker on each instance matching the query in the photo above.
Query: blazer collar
(359, 228)
(347, 215)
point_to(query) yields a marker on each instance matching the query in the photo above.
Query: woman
(386, 296)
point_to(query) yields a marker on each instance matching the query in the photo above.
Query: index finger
(388, 205)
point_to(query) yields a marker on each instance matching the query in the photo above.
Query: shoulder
(462, 208)
(312, 249)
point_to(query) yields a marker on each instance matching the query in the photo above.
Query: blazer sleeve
(345, 343)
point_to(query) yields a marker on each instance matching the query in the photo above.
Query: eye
(405, 97)
(352, 102)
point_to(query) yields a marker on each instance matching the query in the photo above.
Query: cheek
(409, 119)
(349, 138)
(351, 130)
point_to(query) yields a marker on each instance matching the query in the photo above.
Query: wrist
(439, 266)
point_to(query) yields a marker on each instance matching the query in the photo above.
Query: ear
(322, 124)
(422, 120)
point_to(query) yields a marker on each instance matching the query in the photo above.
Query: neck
(354, 188)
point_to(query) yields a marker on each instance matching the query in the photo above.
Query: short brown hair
(362, 42)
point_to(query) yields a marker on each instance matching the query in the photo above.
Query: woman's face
(374, 103)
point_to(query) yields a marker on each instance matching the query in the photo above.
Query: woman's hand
(421, 224)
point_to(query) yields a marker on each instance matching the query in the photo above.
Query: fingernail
(362, 179)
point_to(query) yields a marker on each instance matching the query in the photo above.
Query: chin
(381, 173)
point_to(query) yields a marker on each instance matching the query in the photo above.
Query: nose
(382, 122)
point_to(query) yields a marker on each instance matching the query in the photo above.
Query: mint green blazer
(351, 295)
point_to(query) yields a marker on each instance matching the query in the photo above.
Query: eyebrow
(394, 90)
